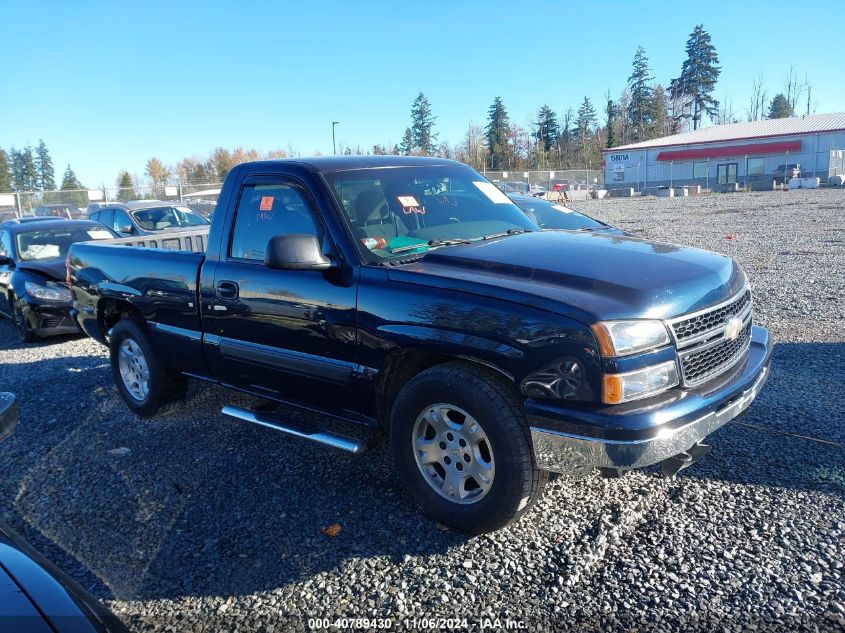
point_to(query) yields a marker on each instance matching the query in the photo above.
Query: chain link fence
(522, 180)
(201, 197)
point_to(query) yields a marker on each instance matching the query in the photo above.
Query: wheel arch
(110, 310)
(401, 366)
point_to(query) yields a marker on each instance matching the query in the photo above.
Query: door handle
(227, 290)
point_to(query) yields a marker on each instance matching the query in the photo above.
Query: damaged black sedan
(33, 291)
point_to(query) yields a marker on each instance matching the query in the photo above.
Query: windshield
(549, 215)
(165, 218)
(400, 210)
(52, 243)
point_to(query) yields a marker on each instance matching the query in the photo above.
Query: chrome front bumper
(577, 456)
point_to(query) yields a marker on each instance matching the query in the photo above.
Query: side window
(121, 221)
(265, 211)
(5, 244)
(105, 217)
(95, 216)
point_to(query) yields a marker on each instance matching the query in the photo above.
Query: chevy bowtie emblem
(733, 329)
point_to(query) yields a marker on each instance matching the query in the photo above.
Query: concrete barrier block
(836, 181)
(621, 193)
(665, 193)
(810, 183)
(795, 183)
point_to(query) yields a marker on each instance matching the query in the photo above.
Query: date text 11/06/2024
(414, 623)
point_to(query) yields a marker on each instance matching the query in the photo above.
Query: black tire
(18, 318)
(490, 400)
(166, 388)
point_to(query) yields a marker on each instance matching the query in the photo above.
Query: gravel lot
(198, 523)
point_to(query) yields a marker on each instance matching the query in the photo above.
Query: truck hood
(590, 276)
(53, 268)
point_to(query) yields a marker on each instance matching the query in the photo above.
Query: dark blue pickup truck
(413, 298)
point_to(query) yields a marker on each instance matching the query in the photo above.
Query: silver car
(147, 217)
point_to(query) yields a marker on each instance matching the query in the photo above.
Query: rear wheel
(461, 445)
(19, 319)
(145, 384)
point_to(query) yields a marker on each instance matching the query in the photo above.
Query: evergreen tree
(611, 116)
(46, 178)
(5, 172)
(586, 120)
(422, 124)
(642, 95)
(699, 74)
(16, 161)
(406, 145)
(584, 124)
(780, 108)
(126, 187)
(24, 173)
(70, 181)
(662, 124)
(547, 128)
(498, 126)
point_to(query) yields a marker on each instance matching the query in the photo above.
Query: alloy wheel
(453, 453)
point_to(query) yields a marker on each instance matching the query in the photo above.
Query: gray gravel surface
(198, 523)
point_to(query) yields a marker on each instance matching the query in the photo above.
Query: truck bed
(156, 275)
(195, 240)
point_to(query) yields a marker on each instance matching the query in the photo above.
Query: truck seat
(371, 216)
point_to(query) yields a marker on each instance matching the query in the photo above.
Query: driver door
(289, 334)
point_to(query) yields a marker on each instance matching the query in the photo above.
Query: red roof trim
(629, 148)
(731, 150)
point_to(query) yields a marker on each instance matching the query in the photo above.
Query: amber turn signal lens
(612, 392)
(603, 338)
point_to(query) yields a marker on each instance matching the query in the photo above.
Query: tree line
(31, 169)
(645, 109)
(569, 139)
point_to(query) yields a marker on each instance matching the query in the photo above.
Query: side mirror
(5, 260)
(296, 251)
(126, 229)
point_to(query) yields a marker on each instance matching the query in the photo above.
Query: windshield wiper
(506, 233)
(429, 244)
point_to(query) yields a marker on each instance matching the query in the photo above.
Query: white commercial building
(725, 157)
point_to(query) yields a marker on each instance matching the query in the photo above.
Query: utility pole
(334, 147)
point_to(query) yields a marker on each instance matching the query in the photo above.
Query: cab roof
(342, 163)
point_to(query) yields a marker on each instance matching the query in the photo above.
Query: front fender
(515, 339)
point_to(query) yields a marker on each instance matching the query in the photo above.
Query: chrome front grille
(698, 325)
(702, 364)
(708, 343)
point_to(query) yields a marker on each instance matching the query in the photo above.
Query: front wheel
(19, 318)
(462, 446)
(145, 384)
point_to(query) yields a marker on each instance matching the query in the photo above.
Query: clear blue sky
(108, 84)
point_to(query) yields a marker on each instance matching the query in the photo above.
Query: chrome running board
(356, 447)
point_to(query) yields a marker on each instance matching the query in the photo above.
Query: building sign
(619, 158)
(618, 172)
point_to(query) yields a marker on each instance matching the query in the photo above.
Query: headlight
(51, 292)
(641, 383)
(620, 338)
